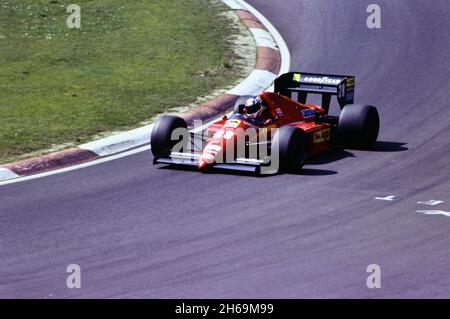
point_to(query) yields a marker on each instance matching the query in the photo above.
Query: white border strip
(120, 142)
(263, 38)
(7, 174)
(233, 4)
(255, 83)
(282, 46)
(76, 167)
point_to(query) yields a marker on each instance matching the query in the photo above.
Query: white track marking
(263, 38)
(255, 83)
(387, 198)
(233, 4)
(120, 142)
(432, 202)
(7, 174)
(78, 166)
(282, 46)
(434, 212)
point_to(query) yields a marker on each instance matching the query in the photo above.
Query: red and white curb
(273, 59)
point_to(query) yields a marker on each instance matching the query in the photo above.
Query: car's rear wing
(343, 86)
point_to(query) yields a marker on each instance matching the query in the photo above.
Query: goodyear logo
(322, 135)
(322, 80)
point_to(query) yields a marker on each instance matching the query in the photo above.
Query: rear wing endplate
(343, 86)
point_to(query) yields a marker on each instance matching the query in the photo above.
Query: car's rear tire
(291, 143)
(358, 126)
(161, 137)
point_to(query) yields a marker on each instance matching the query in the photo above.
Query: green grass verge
(129, 61)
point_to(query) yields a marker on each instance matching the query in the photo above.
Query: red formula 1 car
(278, 138)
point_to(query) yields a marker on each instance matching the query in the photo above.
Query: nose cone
(205, 161)
(208, 157)
(201, 164)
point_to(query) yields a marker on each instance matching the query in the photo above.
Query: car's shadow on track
(213, 171)
(339, 154)
(304, 171)
(314, 172)
(385, 146)
(331, 157)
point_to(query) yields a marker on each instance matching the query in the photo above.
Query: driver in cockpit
(257, 111)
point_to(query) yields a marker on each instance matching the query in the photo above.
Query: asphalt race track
(158, 232)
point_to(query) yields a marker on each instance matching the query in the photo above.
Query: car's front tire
(290, 142)
(161, 137)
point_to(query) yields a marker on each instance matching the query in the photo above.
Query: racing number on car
(322, 135)
(341, 91)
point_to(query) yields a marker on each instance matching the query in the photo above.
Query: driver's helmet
(254, 106)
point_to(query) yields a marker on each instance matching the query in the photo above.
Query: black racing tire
(161, 137)
(291, 143)
(241, 100)
(358, 126)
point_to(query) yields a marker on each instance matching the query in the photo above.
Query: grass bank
(127, 62)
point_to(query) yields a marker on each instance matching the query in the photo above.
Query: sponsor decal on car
(232, 123)
(322, 135)
(308, 113)
(322, 80)
(279, 112)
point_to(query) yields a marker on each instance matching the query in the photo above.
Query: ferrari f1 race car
(272, 132)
